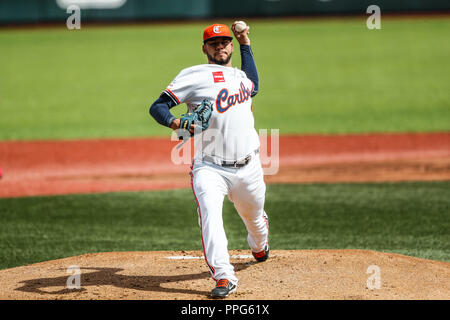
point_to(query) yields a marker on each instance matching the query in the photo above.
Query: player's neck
(229, 64)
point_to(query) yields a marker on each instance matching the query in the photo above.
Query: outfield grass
(406, 218)
(326, 76)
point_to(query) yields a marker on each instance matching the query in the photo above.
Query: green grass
(406, 218)
(317, 76)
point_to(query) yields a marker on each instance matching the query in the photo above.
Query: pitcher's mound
(288, 274)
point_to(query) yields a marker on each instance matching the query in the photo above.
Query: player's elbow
(255, 88)
(153, 110)
(159, 110)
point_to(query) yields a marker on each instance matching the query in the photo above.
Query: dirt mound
(288, 274)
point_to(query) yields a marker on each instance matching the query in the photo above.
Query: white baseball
(240, 26)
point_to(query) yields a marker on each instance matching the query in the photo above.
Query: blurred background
(38, 11)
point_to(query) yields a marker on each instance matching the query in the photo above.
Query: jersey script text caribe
(231, 100)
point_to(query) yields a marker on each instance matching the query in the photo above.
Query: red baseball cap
(216, 30)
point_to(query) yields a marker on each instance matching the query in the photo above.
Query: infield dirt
(288, 274)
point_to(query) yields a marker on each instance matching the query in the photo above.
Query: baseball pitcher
(226, 161)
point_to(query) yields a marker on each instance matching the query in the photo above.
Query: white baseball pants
(245, 187)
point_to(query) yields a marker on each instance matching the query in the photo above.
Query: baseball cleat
(262, 255)
(223, 288)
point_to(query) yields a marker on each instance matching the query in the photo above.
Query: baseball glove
(200, 116)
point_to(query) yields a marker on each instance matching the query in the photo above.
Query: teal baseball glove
(200, 117)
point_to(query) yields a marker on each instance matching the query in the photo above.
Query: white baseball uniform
(231, 137)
